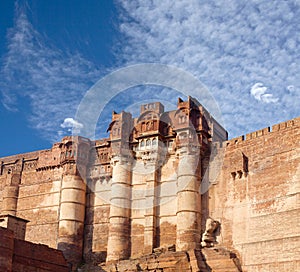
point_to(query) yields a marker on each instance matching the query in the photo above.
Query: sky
(52, 52)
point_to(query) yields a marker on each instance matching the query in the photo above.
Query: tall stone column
(10, 195)
(71, 217)
(10, 199)
(188, 200)
(118, 246)
(74, 159)
(150, 210)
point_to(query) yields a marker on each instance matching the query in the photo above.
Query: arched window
(183, 135)
(149, 125)
(148, 143)
(154, 142)
(181, 119)
(142, 144)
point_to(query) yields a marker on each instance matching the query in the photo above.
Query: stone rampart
(256, 198)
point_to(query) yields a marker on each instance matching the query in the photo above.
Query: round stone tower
(72, 198)
(11, 190)
(118, 247)
(188, 200)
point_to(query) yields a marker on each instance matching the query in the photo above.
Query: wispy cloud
(228, 45)
(53, 81)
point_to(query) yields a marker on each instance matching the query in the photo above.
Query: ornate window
(183, 135)
(148, 143)
(149, 125)
(154, 142)
(182, 119)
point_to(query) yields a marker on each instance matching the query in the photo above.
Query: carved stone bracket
(239, 164)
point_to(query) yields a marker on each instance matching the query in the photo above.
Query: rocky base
(218, 259)
(215, 259)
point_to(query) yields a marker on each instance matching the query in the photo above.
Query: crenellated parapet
(238, 149)
(281, 127)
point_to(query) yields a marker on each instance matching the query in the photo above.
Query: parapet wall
(257, 197)
(265, 131)
(18, 255)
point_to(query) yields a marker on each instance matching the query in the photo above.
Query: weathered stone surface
(259, 211)
(19, 255)
(140, 189)
(219, 259)
(165, 259)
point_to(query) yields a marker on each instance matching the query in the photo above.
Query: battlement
(137, 191)
(264, 132)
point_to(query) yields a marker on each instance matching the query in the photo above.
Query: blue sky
(52, 52)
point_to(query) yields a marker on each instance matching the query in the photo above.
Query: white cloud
(54, 81)
(72, 125)
(268, 98)
(258, 91)
(227, 45)
(290, 88)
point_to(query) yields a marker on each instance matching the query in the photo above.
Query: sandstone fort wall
(255, 196)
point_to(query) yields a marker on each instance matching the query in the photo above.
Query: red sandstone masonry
(18, 255)
(265, 131)
(6, 249)
(39, 257)
(259, 210)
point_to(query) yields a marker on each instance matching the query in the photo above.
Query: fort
(166, 191)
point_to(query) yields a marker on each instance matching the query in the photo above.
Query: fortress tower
(73, 160)
(156, 161)
(164, 181)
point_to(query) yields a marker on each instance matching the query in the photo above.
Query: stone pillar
(71, 217)
(118, 246)
(10, 195)
(150, 211)
(188, 200)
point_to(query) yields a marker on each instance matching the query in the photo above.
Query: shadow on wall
(90, 256)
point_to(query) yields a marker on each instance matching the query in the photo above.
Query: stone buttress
(72, 198)
(11, 190)
(118, 246)
(191, 130)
